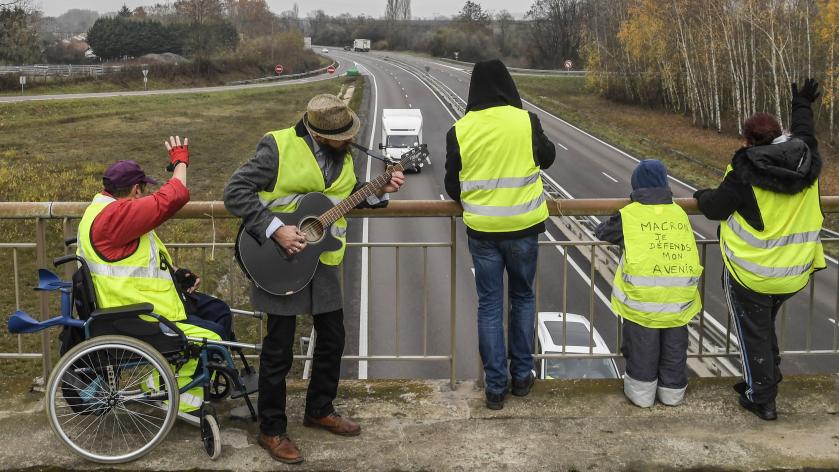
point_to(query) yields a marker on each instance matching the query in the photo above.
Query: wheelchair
(113, 396)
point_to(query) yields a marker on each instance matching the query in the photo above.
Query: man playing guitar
(312, 156)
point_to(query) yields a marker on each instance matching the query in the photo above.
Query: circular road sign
(568, 64)
(330, 69)
(278, 69)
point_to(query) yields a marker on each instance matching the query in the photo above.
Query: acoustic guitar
(273, 270)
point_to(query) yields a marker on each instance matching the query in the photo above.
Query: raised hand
(809, 91)
(177, 153)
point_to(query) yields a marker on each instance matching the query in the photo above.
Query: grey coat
(259, 173)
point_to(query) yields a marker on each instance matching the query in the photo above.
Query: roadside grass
(57, 151)
(693, 154)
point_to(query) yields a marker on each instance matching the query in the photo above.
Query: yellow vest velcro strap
(487, 210)
(492, 184)
(751, 240)
(772, 272)
(650, 307)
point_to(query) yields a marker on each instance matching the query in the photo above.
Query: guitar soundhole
(313, 229)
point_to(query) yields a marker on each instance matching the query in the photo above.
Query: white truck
(361, 45)
(401, 129)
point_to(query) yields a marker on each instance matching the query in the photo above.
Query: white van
(401, 129)
(575, 331)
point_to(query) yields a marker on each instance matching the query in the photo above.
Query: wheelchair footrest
(250, 382)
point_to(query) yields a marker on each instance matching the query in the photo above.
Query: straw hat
(328, 117)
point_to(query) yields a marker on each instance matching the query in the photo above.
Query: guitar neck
(369, 189)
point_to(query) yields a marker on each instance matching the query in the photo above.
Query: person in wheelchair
(130, 264)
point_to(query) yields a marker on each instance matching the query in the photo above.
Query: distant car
(551, 333)
(347, 48)
(324, 50)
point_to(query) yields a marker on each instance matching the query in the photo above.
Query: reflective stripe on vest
(500, 184)
(781, 258)
(657, 281)
(298, 173)
(136, 278)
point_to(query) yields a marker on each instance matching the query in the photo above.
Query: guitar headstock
(413, 157)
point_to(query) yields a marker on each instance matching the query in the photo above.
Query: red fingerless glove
(178, 154)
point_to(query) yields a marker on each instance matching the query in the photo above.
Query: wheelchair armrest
(70, 241)
(127, 311)
(130, 320)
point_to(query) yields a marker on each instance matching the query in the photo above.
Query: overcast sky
(420, 8)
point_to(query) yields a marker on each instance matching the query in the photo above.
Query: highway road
(141, 93)
(585, 168)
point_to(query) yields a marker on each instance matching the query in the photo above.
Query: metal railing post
(41, 257)
(453, 301)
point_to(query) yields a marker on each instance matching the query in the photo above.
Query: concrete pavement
(423, 425)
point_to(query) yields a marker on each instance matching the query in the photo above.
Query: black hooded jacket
(788, 167)
(492, 86)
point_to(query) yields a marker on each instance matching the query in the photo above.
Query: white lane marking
(409, 106)
(442, 197)
(560, 145)
(831, 320)
(426, 86)
(602, 142)
(473, 271)
(610, 177)
(582, 274)
(364, 302)
(699, 235)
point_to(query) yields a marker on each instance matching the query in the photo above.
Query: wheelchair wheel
(112, 399)
(220, 385)
(211, 436)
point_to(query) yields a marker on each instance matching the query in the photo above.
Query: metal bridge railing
(432, 281)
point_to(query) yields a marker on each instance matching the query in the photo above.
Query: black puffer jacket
(492, 86)
(787, 167)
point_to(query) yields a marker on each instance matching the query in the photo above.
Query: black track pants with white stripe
(753, 316)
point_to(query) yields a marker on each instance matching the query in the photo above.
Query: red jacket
(116, 231)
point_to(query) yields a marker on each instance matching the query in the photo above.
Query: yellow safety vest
(298, 174)
(781, 258)
(657, 282)
(137, 278)
(500, 184)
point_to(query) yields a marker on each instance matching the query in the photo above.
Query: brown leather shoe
(334, 423)
(280, 448)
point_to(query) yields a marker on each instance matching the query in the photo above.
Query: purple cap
(123, 174)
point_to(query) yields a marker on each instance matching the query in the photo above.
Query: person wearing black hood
(494, 154)
(769, 202)
(656, 287)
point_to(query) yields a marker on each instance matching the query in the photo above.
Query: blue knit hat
(649, 173)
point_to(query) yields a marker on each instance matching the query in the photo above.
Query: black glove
(809, 91)
(698, 194)
(185, 279)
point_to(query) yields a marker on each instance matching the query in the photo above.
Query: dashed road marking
(610, 177)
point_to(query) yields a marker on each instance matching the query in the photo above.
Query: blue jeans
(491, 258)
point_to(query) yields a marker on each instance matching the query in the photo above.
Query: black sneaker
(495, 401)
(765, 411)
(521, 387)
